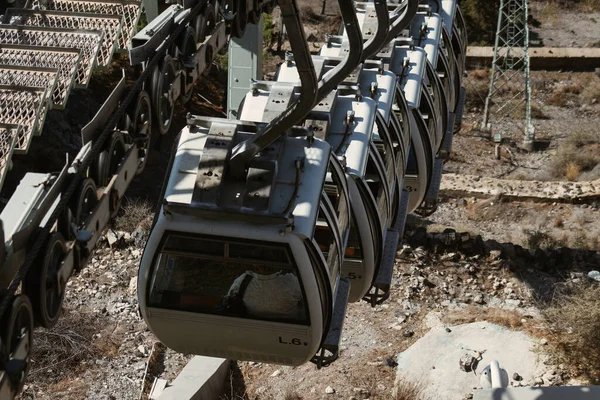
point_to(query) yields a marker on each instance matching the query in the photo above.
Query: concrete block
(202, 378)
(540, 393)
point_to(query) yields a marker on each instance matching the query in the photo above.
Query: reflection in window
(236, 279)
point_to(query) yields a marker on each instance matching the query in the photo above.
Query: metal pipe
(401, 21)
(376, 42)
(355, 54)
(243, 152)
(495, 375)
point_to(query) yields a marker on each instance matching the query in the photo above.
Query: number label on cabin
(292, 341)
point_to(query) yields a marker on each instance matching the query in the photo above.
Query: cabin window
(353, 249)
(327, 241)
(385, 151)
(412, 167)
(234, 278)
(373, 178)
(401, 110)
(336, 192)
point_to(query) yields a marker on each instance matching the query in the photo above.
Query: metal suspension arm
(243, 152)
(355, 55)
(377, 41)
(401, 21)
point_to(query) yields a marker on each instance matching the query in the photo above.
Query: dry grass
(549, 12)
(538, 238)
(559, 222)
(408, 390)
(509, 319)
(63, 354)
(580, 153)
(477, 85)
(133, 214)
(573, 318)
(556, 99)
(591, 92)
(486, 209)
(572, 171)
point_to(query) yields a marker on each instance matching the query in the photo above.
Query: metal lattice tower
(510, 84)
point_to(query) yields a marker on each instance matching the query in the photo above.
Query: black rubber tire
(238, 25)
(84, 201)
(187, 48)
(254, 15)
(18, 317)
(42, 285)
(140, 127)
(162, 107)
(108, 160)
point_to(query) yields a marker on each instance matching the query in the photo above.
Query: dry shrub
(486, 209)
(557, 99)
(572, 171)
(559, 222)
(481, 75)
(133, 214)
(573, 318)
(408, 390)
(536, 111)
(581, 150)
(549, 12)
(539, 238)
(563, 93)
(506, 318)
(592, 91)
(477, 90)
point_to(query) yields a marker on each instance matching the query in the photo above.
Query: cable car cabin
(381, 86)
(346, 122)
(426, 32)
(447, 10)
(454, 41)
(455, 23)
(390, 137)
(409, 64)
(416, 116)
(248, 268)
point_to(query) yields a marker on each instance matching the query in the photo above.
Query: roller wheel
(16, 332)
(84, 201)
(187, 48)
(139, 127)
(238, 25)
(162, 94)
(268, 7)
(43, 282)
(205, 23)
(108, 161)
(254, 15)
(200, 27)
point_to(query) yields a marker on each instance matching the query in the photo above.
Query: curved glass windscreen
(221, 276)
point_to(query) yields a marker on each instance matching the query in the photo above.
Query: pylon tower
(509, 83)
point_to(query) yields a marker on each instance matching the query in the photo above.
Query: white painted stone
(434, 359)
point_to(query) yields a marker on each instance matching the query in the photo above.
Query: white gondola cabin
(247, 268)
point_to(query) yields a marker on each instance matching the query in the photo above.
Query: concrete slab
(433, 361)
(542, 58)
(478, 186)
(201, 379)
(540, 393)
